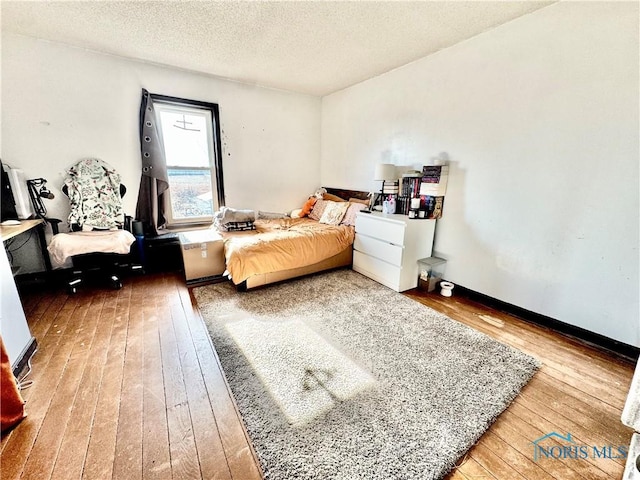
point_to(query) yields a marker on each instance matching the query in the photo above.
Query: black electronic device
(8, 203)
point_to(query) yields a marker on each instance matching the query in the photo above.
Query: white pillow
(334, 212)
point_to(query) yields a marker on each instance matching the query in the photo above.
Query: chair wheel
(116, 283)
(137, 269)
(72, 286)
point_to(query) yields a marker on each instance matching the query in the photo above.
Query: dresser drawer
(386, 251)
(377, 270)
(380, 228)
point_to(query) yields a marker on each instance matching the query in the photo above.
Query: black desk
(9, 231)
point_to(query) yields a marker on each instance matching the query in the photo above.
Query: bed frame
(342, 259)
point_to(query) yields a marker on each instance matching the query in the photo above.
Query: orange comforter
(278, 245)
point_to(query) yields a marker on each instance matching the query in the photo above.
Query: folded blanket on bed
(231, 215)
(229, 219)
(239, 226)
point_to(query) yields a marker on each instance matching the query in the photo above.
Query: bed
(281, 249)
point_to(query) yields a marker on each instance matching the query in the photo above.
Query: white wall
(539, 118)
(61, 104)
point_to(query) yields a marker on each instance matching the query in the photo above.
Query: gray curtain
(154, 181)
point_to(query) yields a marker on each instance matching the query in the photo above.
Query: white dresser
(387, 248)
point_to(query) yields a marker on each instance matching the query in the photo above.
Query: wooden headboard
(347, 194)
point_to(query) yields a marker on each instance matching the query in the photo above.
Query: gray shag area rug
(338, 377)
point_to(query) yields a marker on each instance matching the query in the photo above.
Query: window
(190, 133)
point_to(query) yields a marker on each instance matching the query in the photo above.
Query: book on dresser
(410, 188)
(433, 187)
(387, 248)
(434, 180)
(432, 206)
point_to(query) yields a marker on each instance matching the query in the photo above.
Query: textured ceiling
(315, 47)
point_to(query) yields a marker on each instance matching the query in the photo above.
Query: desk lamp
(37, 191)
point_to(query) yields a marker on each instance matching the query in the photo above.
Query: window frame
(215, 167)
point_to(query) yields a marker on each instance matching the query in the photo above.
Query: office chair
(99, 239)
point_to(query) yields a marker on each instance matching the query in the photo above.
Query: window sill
(189, 227)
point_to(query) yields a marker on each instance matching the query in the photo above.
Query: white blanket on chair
(65, 245)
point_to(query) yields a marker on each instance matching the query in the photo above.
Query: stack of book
(402, 204)
(410, 188)
(390, 188)
(433, 187)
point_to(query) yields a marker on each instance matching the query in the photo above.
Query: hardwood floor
(128, 386)
(579, 390)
